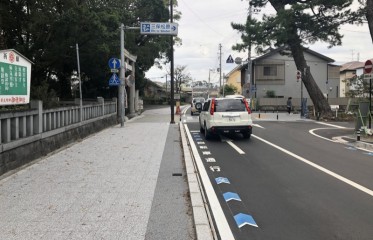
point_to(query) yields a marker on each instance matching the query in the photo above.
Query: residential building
(348, 71)
(276, 72)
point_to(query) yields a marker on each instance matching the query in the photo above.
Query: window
(233, 105)
(206, 106)
(270, 70)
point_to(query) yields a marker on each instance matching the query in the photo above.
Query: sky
(205, 24)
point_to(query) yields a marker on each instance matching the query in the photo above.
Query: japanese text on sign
(13, 79)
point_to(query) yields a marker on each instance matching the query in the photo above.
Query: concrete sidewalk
(121, 183)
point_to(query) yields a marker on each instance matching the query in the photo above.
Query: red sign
(299, 75)
(11, 57)
(368, 67)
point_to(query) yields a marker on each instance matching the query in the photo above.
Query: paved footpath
(121, 183)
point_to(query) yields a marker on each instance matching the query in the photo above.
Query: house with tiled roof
(347, 71)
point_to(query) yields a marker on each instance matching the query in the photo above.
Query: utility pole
(172, 66)
(248, 79)
(220, 65)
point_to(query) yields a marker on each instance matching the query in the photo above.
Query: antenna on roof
(352, 53)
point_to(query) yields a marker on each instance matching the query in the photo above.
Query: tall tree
(46, 32)
(181, 76)
(367, 10)
(296, 24)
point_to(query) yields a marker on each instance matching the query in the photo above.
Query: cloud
(206, 24)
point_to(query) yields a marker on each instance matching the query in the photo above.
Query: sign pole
(121, 90)
(368, 70)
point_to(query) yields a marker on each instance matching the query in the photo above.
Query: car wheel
(207, 134)
(201, 130)
(246, 135)
(198, 106)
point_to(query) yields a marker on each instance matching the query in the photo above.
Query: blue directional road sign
(114, 80)
(158, 28)
(114, 63)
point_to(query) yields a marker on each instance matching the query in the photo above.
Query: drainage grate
(177, 174)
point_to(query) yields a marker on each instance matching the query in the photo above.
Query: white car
(196, 105)
(226, 115)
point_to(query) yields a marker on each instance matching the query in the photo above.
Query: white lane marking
(215, 168)
(339, 140)
(185, 110)
(257, 125)
(220, 219)
(330, 125)
(333, 174)
(315, 129)
(239, 150)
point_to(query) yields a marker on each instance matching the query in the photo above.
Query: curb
(199, 206)
(363, 145)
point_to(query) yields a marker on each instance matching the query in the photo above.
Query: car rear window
(230, 105)
(202, 100)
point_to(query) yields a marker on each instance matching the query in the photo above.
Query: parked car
(226, 115)
(197, 104)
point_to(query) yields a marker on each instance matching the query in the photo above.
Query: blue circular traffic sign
(114, 63)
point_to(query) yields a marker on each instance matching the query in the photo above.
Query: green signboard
(13, 79)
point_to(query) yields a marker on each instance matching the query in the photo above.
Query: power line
(194, 13)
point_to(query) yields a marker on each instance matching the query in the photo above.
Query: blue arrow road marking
(228, 196)
(244, 219)
(220, 180)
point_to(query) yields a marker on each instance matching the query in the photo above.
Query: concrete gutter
(363, 145)
(202, 221)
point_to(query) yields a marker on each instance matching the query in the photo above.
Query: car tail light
(247, 106)
(212, 109)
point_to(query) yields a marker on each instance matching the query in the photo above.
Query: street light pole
(80, 84)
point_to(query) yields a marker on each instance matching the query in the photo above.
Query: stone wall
(16, 157)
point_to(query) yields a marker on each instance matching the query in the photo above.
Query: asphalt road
(293, 183)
